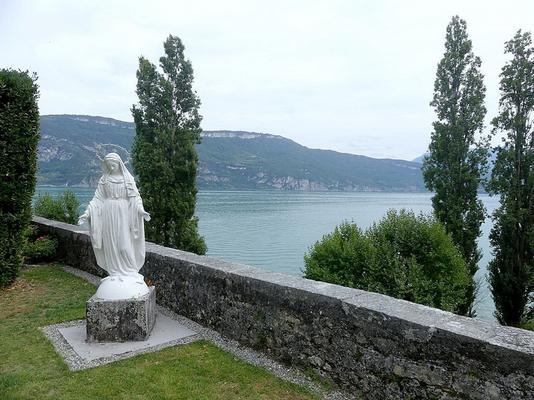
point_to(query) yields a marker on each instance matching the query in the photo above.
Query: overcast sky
(351, 76)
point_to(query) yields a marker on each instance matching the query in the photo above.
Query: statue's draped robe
(116, 224)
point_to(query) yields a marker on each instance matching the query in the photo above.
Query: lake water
(273, 229)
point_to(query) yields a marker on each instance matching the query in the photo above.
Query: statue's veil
(128, 178)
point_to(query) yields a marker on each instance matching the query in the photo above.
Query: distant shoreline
(268, 190)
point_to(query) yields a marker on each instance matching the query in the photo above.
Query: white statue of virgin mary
(116, 220)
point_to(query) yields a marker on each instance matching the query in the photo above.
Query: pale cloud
(353, 76)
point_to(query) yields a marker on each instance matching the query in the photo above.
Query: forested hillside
(70, 146)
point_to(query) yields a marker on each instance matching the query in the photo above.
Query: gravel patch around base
(75, 362)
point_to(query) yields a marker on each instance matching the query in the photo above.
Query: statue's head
(112, 162)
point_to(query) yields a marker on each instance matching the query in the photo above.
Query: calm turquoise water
(273, 229)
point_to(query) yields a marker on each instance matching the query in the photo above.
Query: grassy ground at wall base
(31, 369)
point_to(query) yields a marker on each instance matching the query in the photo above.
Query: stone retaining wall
(372, 345)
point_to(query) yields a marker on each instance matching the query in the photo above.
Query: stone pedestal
(121, 320)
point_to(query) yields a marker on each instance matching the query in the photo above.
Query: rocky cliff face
(51, 148)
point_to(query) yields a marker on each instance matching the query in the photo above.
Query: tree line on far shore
(426, 259)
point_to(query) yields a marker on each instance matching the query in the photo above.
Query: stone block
(121, 320)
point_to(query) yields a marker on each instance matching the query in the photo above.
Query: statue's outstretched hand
(83, 218)
(145, 215)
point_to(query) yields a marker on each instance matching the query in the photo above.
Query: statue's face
(112, 165)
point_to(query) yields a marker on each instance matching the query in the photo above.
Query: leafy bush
(528, 324)
(38, 248)
(405, 256)
(19, 136)
(65, 208)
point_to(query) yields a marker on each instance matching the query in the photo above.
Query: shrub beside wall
(38, 248)
(405, 256)
(19, 137)
(65, 208)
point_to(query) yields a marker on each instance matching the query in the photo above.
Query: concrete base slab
(70, 341)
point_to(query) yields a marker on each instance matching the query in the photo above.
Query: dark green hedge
(19, 137)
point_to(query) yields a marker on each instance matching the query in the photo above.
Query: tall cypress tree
(167, 123)
(456, 163)
(512, 236)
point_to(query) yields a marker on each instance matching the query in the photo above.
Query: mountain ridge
(70, 146)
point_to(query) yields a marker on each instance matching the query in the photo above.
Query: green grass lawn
(31, 369)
